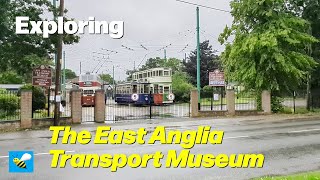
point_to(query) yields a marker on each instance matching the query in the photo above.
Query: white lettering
(20, 25)
(71, 27)
(115, 29)
(36, 27)
(49, 27)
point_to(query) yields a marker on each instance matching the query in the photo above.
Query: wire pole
(58, 72)
(113, 93)
(165, 54)
(198, 58)
(64, 75)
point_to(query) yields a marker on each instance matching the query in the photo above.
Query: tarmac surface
(290, 144)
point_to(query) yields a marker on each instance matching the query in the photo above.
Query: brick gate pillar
(266, 102)
(76, 107)
(231, 102)
(100, 107)
(194, 103)
(26, 109)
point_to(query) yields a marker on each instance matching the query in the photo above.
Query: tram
(89, 84)
(125, 93)
(153, 85)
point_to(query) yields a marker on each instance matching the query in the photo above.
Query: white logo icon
(171, 97)
(135, 97)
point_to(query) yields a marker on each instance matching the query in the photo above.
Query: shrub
(38, 97)
(9, 103)
(276, 104)
(181, 87)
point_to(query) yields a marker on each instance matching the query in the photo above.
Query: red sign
(42, 76)
(216, 78)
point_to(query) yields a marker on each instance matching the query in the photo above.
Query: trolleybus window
(88, 92)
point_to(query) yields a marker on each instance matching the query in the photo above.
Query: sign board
(216, 97)
(171, 97)
(216, 78)
(135, 97)
(42, 76)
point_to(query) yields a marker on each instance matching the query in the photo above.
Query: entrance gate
(124, 112)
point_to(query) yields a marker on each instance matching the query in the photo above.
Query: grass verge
(302, 176)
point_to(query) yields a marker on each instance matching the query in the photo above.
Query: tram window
(160, 73)
(160, 89)
(140, 75)
(166, 89)
(134, 90)
(146, 89)
(166, 73)
(153, 73)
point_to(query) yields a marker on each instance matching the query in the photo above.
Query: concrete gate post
(266, 102)
(194, 103)
(26, 109)
(76, 107)
(100, 107)
(231, 102)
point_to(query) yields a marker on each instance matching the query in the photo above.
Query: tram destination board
(216, 78)
(42, 76)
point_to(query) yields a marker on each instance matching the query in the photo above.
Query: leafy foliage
(38, 97)
(173, 63)
(10, 77)
(70, 74)
(21, 53)
(209, 62)
(181, 87)
(106, 78)
(9, 103)
(270, 49)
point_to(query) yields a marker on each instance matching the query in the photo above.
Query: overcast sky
(151, 23)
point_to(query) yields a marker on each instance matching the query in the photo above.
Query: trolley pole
(58, 72)
(198, 58)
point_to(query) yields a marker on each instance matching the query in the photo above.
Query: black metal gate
(123, 112)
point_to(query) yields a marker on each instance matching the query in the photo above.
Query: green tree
(209, 62)
(270, 46)
(38, 97)
(15, 49)
(310, 11)
(70, 74)
(106, 78)
(173, 63)
(10, 77)
(181, 86)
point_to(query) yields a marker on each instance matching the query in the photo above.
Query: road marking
(308, 130)
(237, 137)
(38, 154)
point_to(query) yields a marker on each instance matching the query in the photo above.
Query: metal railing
(9, 105)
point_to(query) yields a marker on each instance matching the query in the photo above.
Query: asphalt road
(289, 146)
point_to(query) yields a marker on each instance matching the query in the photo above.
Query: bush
(181, 87)
(276, 104)
(9, 103)
(38, 97)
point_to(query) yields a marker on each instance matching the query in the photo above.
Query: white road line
(308, 130)
(38, 154)
(237, 137)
